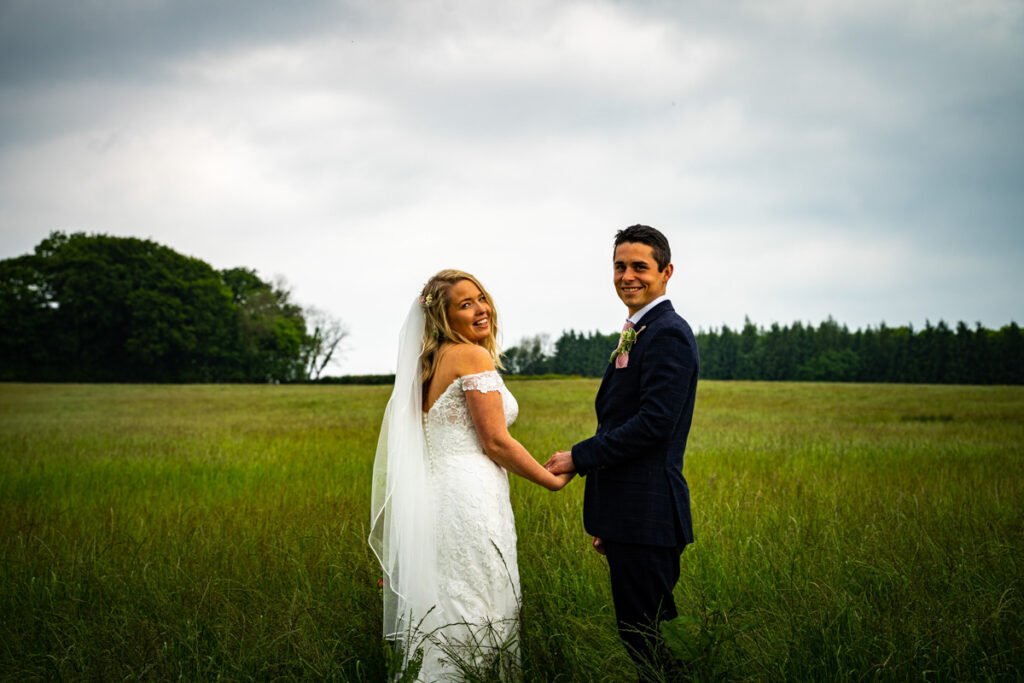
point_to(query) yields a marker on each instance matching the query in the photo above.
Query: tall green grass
(844, 532)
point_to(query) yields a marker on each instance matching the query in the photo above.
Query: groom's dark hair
(645, 234)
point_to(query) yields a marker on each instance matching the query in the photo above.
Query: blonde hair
(437, 330)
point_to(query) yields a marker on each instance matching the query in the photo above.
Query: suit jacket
(635, 489)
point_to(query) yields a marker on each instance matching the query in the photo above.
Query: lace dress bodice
(476, 547)
(449, 428)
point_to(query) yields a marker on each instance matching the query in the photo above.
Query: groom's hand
(598, 545)
(560, 463)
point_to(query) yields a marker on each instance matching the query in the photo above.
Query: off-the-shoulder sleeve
(483, 382)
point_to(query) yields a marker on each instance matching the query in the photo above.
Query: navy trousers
(642, 578)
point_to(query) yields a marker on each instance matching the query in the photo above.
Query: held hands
(563, 473)
(560, 480)
(560, 463)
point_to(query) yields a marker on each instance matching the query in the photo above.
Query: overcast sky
(858, 159)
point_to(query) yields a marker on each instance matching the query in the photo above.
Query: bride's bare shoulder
(467, 359)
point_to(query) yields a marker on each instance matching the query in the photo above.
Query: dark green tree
(529, 357)
(580, 354)
(102, 308)
(830, 352)
(27, 309)
(270, 342)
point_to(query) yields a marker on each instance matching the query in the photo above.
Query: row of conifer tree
(800, 352)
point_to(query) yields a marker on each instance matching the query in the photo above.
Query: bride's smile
(469, 312)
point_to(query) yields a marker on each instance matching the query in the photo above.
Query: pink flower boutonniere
(620, 356)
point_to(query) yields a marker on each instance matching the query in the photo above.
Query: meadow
(201, 532)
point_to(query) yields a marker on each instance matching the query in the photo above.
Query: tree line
(828, 352)
(97, 308)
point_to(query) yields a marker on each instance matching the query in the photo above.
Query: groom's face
(638, 281)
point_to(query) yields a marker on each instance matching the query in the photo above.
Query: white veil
(402, 520)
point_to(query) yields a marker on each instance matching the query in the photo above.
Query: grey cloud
(56, 41)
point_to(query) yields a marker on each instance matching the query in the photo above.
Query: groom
(636, 504)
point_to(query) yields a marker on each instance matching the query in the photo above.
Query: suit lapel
(655, 313)
(649, 318)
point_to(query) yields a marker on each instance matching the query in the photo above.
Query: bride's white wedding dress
(477, 611)
(441, 527)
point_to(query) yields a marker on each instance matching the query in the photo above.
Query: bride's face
(469, 312)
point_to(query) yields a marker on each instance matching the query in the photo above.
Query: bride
(441, 521)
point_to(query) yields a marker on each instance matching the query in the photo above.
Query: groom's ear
(669, 269)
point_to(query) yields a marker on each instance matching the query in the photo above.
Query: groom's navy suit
(636, 499)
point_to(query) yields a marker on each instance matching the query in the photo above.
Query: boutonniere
(620, 356)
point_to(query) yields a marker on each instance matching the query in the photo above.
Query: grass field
(844, 532)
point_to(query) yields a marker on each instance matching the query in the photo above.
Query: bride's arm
(488, 414)
(487, 411)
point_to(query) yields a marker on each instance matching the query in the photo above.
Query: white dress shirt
(635, 318)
